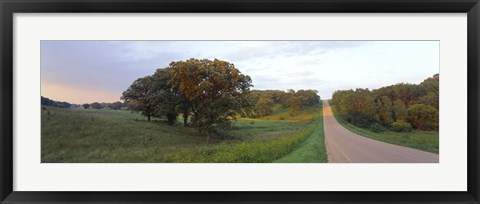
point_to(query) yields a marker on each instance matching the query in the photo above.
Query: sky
(99, 71)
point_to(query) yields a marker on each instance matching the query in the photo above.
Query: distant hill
(48, 102)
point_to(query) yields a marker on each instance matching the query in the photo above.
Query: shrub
(401, 126)
(281, 118)
(359, 119)
(193, 121)
(423, 117)
(375, 127)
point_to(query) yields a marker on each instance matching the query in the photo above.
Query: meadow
(422, 140)
(77, 135)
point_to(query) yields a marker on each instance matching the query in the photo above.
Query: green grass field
(422, 140)
(77, 135)
(312, 150)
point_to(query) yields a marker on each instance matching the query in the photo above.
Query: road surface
(344, 146)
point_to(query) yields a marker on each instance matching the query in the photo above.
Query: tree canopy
(415, 104)
(140, 96)
(215, 90)
(295, 101)
(212, 92)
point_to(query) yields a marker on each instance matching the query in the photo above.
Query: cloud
(111, 66)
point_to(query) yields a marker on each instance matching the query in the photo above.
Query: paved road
(344, 146)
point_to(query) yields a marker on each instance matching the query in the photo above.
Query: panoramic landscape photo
(239, 101)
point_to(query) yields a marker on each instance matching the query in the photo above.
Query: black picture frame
(9, 7)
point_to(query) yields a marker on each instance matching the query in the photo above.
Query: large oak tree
(214, 89)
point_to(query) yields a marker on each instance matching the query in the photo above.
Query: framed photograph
(239, 101)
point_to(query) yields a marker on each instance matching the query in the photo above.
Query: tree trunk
(208, 137)
(148, 117)
(185, 119)
(170, 118)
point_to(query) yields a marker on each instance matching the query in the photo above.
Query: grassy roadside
(312, 150)
(244, 152)
(422, 140)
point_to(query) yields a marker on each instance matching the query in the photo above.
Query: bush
(423, 117)
(375, 127)
(281, 118)
(193, 121)
(401, 126)
(359, 119)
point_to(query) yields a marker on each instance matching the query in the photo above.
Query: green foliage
(385, 105)
(401, 126)
(168, 100)
(385, 110)
(308, 97)
(215, 90)
(264, 106)
(211, 92)
(407, 93)
(302, 98)
(431, 87)
(48, 102)
(295, 101)
(430, 99)
(294, 105)
(375, 127)
(116, 105)
(357, 107)
(399, 110)
(96, 105)
(423, 117)
(140, 96)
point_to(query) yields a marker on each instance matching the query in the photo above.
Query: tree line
(399, 107)
(295, 101)
(96, 105)
(49, 102)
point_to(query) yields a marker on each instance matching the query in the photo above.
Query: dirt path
(344, 146)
